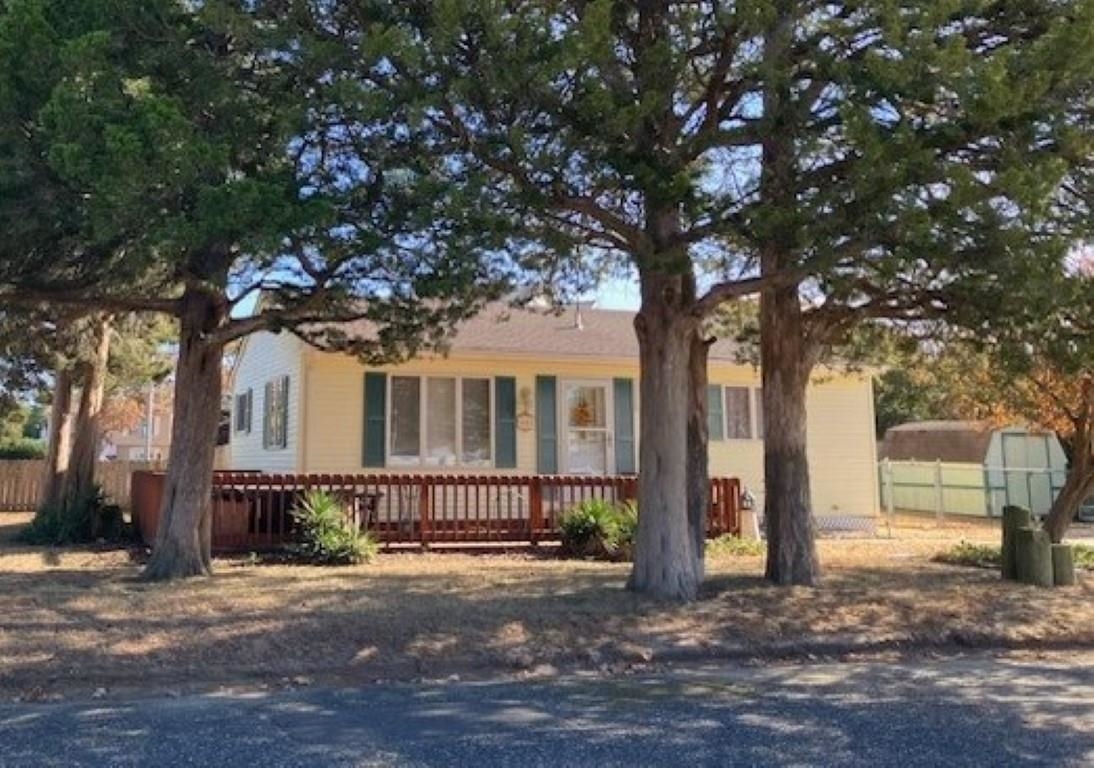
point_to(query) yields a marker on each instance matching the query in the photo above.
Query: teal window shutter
(375, 438)
(546, 425)
(623, 391)
(716, 415)
(505, 422)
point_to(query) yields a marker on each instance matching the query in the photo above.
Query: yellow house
(524, 392)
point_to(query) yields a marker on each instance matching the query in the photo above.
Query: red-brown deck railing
(253, 510)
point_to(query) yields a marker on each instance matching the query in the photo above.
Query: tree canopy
(201, 155)
(850, 160)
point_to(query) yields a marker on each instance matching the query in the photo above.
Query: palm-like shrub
(325, 535)
(600, 529)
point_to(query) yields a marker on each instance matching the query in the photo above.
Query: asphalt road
(972, 711)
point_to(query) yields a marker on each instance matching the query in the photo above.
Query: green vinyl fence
(949, 488)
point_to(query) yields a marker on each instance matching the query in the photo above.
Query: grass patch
(988, 556)
(971, 555)
(75, 619)
(735, 546)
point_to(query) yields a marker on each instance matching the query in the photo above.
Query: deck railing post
(535, 508)
(425, 512)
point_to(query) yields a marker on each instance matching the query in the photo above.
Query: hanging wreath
(582, 414)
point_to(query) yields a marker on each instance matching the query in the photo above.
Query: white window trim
(407, 462)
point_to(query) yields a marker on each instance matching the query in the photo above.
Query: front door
(587, 444)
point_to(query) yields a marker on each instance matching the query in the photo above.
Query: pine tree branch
(29, 296)
(728, 290)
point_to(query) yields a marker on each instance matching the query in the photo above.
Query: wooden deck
(253, 511)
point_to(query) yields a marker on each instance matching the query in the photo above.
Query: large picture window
(275, 414)
(440, 421)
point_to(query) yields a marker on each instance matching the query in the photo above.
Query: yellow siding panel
(841, 430)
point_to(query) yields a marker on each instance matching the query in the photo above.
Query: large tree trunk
(667, 560)
(60, 440)
(788, 514)
(698, 444)
(182, 546)
(1078, 487)
(79, 480)
(785, 354)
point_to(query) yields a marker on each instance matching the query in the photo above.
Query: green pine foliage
(22, 450)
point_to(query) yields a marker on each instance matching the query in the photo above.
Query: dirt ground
(77, 622)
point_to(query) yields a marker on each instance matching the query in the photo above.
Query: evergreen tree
(849, 160)
(200, 154)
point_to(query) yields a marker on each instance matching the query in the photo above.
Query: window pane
(406, 409)
(476, 421)
(586, 406)
(759, 413)
(587, 452)
(738, 417)
(283, 414)
(715, 418)
(267, 417)
(440, 430)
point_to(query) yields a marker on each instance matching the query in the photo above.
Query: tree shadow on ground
(66, 628)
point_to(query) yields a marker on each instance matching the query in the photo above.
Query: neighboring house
(970, 467)
(146, 439)
(532, 393)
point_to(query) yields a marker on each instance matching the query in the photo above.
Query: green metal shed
(969, 468)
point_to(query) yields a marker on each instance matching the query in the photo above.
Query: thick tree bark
(785, 367)
(698, 445)
(79, 480)
(1078, 487)
(182, 546)
(667, 561)
(786, 356)
(60, 440)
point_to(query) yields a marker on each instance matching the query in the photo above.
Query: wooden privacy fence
(21, 482)
(254, 511)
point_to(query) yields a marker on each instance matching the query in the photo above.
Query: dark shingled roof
(951, 441)
(597, 333)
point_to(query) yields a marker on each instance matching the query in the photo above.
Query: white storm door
(587, 439)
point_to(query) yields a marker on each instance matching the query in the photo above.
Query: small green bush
(1083, 555)
(87, 519)
(600, 529)
(734, 546)
(325, 535)
(22, 450)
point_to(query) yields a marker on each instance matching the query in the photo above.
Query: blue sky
(621, 293)
(616, 293)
